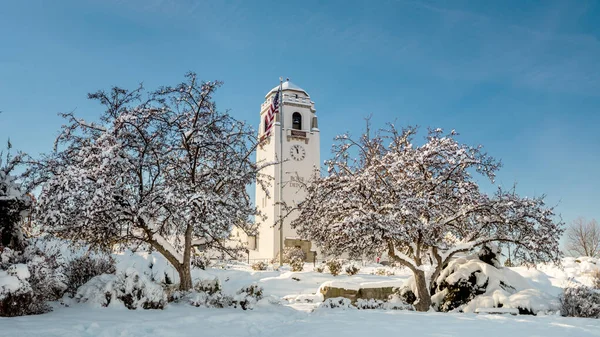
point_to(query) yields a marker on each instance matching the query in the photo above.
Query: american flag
(273, 109)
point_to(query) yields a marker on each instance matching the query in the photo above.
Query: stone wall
(382, 293)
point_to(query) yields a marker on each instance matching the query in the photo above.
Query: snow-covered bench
(497, 311)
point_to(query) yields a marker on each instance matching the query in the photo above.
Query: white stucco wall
(268, 239)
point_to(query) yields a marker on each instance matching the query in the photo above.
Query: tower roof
(287, 85)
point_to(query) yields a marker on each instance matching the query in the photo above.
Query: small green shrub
(334, 266)
(297, 264)
(260, 265)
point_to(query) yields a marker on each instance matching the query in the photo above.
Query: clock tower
(298, 146)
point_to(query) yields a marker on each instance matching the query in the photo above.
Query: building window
(253, 242)
(297, 121)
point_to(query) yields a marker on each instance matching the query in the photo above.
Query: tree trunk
(185, 276)
(185, 273)
(423, 302)
(183, 269)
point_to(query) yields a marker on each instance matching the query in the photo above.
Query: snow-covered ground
(181, 320)
(294, 318)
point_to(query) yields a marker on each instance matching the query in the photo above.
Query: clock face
(297, 152)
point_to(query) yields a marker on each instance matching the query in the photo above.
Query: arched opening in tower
(297, 121)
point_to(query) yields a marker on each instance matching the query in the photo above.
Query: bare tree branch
(583, 238)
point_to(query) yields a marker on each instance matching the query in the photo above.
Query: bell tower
(297, 144)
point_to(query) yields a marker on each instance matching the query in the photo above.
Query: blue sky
(521, 78)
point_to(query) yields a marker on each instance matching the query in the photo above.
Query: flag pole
(280, 93)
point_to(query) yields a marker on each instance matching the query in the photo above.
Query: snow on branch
(168, 247)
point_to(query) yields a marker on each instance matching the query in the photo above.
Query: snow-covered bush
(334, 266)
(40, 279)
(295, 256)
(465, 278)
(10, 215)
(14, 202)
(320, 268)
(459, 283)
(80, 270)
(394, 303)
(207, 300)
(17, 302)
(29, 277)
(208, 294)
(580, 301)
(290, 253)
(489, 254)
(305, 298)
(297, 264)
(47, 280)
(260, 265)
(160, 271)
(201, 261)
(467, 284)
(209, 286)
(352, 269)
(370, 304)
(129, 288)
(383, 272)
(405, 294)
(337, 302)
(248, 296)
(596, 279)
(16, 294)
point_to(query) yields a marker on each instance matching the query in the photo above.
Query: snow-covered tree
(14, 202)
(28, 276)
(168, 170)
(419, 203)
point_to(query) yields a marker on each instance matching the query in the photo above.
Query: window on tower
(297, 121)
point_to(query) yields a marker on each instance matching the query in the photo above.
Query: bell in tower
(297, 121)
